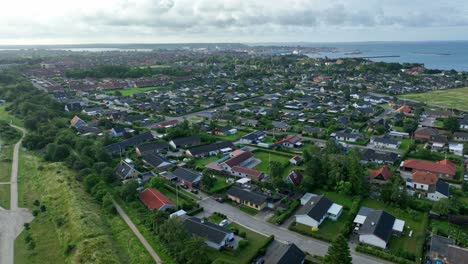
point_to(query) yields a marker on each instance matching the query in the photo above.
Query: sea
(443, 55)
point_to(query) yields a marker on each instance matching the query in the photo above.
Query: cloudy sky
(170, 21)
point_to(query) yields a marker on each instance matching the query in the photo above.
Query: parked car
(219, 200)
(223, 223)
(183, 186)
(194, 191)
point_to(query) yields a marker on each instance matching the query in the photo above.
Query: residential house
(425, 133)
(246, 172)
(187, 177)
(122, 146)
(430, 184)
(292, 141)
(253, 137)
(464, 123)
(439, 113)
(345, 136)
(296, 160)
(279, 253)
(438, 248)
(126, 170)
(155, 147)
(117, 132)
(248, 198)
(311, 130)
(318, 209)
(456, 148)
(373, 156)
(443, 168)
(156, 161)
(460, 136)
(438, 142)
(237, 158)
(406, 110)
(280, 126)
(294, 177)
(154, 199)
(381, 175)
(77, 122)
(216, 236)
(185, 142)
(225, 131)
(249, 122)
(375, 227)
(385, 142)
(210, 150)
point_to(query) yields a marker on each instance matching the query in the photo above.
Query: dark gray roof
(442, 187)
(317, 207)
(214, 233)
(153, 147)
(245, 195)
(187, 141)
(457, 254)
(123, 169)
(154, 160)
(378, 223)
(284, 254)
(211, 147)
(372, 155)
(460, 135)
(385, 140)
(123, 145)
(253, 136)
(186, 174)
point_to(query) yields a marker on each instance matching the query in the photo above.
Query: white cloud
(30, 21)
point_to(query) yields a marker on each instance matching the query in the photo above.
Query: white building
(316, 210)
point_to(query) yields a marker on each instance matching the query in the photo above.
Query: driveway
(282, 234)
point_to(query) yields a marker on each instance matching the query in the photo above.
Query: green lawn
(6, 154)
(234, 137)
(416, 221)
(72, 220)
(219, 185)
(132, 91)
(243, 208)
(240, 256)
(328, 230)
(341, 199)
(265, 157)
(452, 98)
(405, 144)
(201, 163)
(5, 196)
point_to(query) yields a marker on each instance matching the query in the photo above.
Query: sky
(246, 21)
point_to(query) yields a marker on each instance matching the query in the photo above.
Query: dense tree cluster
(335, 170)
(7, 133)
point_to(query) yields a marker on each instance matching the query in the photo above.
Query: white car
(223, 223)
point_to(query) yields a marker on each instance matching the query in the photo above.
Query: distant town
(231, 153)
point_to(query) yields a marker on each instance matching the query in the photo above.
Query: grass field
(5, 116)
(132, 91)
(265, 157)
(73, 229)
(201, 163)
(6, 153)
(328, 230)
(416, 221)
(5, 196)
(453, 98)
(241, 256)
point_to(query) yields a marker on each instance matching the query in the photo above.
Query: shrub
(381, 254)
(243, 244)
(35, 212)
(242, 234)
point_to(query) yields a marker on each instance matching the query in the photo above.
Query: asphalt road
(282, 234)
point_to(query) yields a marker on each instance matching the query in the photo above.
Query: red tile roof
(440, 167)
(425, 178)
(295, 177)
(153, 199)
(292, 139)
(405, 109)
(236, 160)
(384, 171)
(250, 172)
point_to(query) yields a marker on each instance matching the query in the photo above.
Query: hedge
(195, 211)
(348, 227)
(262, 250)
(377, 252)
(219, 189)
(286, 214)
(293, 227)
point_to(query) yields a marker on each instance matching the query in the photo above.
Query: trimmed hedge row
(195, 211)
(286, 214)
(348, 227)
(293, 227)
(370, 250)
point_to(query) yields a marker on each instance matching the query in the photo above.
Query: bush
(243, 244)
(35, 212)
(195, 211)
(242, 234)
(370, 250)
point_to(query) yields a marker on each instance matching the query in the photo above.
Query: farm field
(452, 98)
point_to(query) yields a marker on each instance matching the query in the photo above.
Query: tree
(452, 124)
(276, 169)
(128, 191)
(208, 181)
(338, 252)
(107, 203)
(157, 183)
(442, 206)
